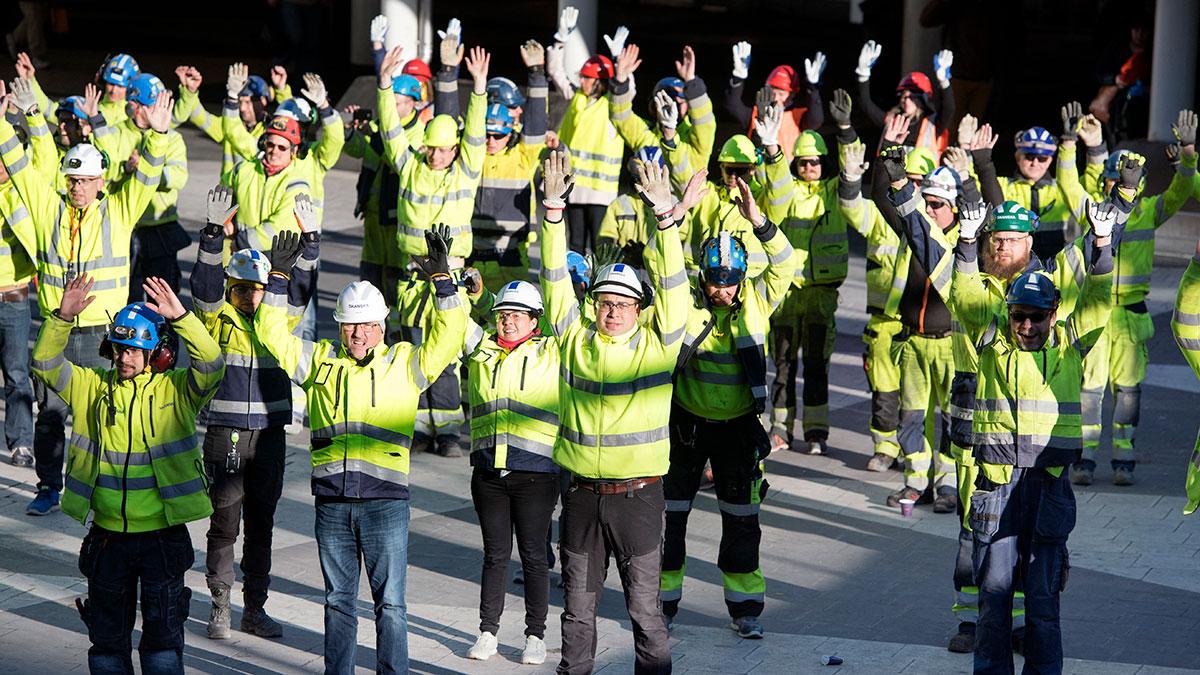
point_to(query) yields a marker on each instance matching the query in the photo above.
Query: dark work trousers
(114, 564)
(521, 501)
(155, 251)
(250, 493)
(735, 449)
(630, 527)
(50, 427)
(583, 223)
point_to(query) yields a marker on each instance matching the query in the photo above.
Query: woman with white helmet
(513, 389)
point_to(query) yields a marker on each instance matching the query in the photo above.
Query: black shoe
(946, 500)
(964, 641)
(421, 443)
(447, 446)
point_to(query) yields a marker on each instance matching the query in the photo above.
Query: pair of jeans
(249, 493)
(629, 526)
(114, 564)
(521, 501)
(374, 531)
(14, 362)
(50, 428)
(1020, 534)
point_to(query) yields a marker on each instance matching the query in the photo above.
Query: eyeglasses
(364, 328)
(1033, 317)
(505, 316)
(610, 306)
(1036, 159)
(808, 161)
(1001, 242)
(935, 204)
(246, 289)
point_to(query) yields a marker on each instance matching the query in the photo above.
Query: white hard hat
(360, 302)
(84, 160)
(520, 295)
(941, 182)
(248, 265)
(618, 279)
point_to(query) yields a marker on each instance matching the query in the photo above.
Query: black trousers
(583, 223)
(250, 493)
(521, 501)
(155, 253)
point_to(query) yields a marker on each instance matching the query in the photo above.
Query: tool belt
(615, 487)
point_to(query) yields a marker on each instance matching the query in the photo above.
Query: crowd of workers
(613, 319)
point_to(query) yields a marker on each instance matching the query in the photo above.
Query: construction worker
(437, 186)
(1118, 361)
(158, 237)
(806, 208)
(135, 470)
(245, 442)
(362, 402)
(17, 253)
(682, 123)
(627, 219)
(1026, 429)
(514, 393)
(930, 128)
(253, 105)
(1185, 326)
(720, 391)
(614, 420)
(718, 212)
(85, 230)
(801, 101)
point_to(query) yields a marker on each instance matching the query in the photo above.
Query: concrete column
(1173, 69)
(920, 43)
(584, 41)
(361, 13)
(409, 25)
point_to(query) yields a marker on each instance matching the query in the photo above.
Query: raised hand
(235, 81)
(616, 43)
(1103, 216)
(1184, 127)
(162, 299)
(941, 66)
(221, 209)
(1071, 114)
(436, 260)
(306, 214)
(160, 113)
(389, 66)
(76, 297)
(25, 69)
(967, 127)
(956, 158)
(450, 48)
(814, 67)
(741, 60)
(854, 163)
(566, 24)
(747, 206)
(557, 180)
(867, 57)
(533, 54)
(627, 62)
(379, 29)
(840, 107)
(985, 138)
(1130, 170)
(892, 159)
(686, 66)
(23, 97)
(1090, 131)
(453, 30)
(666, 109)
(970, 218)
(314, 90)
(693, 192)
(770, 119)
(91, 99)
(278, 77)
(653, 184)
(478, 62)
(896, 129)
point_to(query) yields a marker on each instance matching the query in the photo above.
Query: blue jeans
(1020, 532)
(375, 531)
(14, 362)
(50, 428)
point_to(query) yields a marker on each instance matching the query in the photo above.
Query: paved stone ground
(845, 575)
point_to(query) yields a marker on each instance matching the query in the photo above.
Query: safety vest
(615, 392)
(722, 368)
(718, 213)
(377, 184)
(361, 413)
(429, 197)
(1185, 325)
(695, 134)
(1134, 255)
(133, 458)
(588, 135)
(188, 109)
(266, 202)
(120, 142)
(514, 404)
(16, 262)
(92, 240)
(1057, 201)
(807, 211)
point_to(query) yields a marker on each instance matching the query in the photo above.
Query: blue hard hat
(1036, 141)
(1033, 289)
(504, 91)
(145, 89)
(120, 70)
(136, 326)
(499, 119)
(407, 85)
(723, 260)
(256, 87)
(673, 83)
(72, 105)
(579, 268)
(650, 154)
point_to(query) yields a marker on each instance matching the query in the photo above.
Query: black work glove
(1071, 114)
(1130, 172)
(839, 108)
(437, 246)
(892, 159)
(285, 251)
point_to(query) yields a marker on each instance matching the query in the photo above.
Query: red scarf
(510, 345)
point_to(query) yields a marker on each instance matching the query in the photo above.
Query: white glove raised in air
(941, 66)
(770, 118)
(617, 42)
(379, 27)
(667, 110)
(1103, 216)
(970, 219)
(239, 74)
(866, 60)
(566, 24)
(741, 60)
(453, 29)
(314, 89)
(814, 67)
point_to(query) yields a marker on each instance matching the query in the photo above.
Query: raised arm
(536, 120)
(447, 331)
(207, 365)
(49, 364)
(207, 280)
(131, 201)
(867, 57)
(773, 284)
(735, 89)
(395, 142)
(562, 307)
(295, 355)
(633, 129)
(664, 255)
(333, 131)
(232, 129)
(472, 149)
(450, 54)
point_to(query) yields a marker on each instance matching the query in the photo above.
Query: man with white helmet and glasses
(245, 442)
(85, 230)
(615, 397)
(362, 403)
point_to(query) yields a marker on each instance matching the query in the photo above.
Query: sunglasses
(495, 136)
(1037, 159)
(936, 204)
(1032, 317)
(278, 147)
(737, 170)
(808, 161)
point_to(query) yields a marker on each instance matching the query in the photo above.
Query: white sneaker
(485, 647)
(535, 651)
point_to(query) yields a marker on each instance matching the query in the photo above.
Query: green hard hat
(738, 150)
(919, 161)
(810, 144)
(1011, 217)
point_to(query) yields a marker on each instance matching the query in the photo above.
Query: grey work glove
(839, 108)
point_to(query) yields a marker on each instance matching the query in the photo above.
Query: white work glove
(314, 89)
(306, 214)
(221, 206)
(453, 29)
(23, 97)
(814, 67)
(566, 24)
(741, 60)
(866, 60)
(770, 118)
(667, 110)
(970, 219)
(239, 74)
(853, 162)
(379, 27)
(941, 66)
(1103, 216)
(617, 42)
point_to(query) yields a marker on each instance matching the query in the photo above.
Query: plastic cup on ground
(906, 507)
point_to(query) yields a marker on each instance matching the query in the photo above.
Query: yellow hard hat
(441, 132)
(738, 150)
(810, 144)
(919, 161)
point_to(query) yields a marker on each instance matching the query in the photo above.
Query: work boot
(946, 500)
(22, 456)
(1083, 472)
(880, 462)
(256, 622)
(906, 492)
(218, 618)
(1123, 476)
(747, 627)
(964, 641)
(447, 446)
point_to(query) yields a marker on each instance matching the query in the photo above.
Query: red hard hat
(598, 67)
(286, 128)
(785, 78)
(418, 69)
(916, 81)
